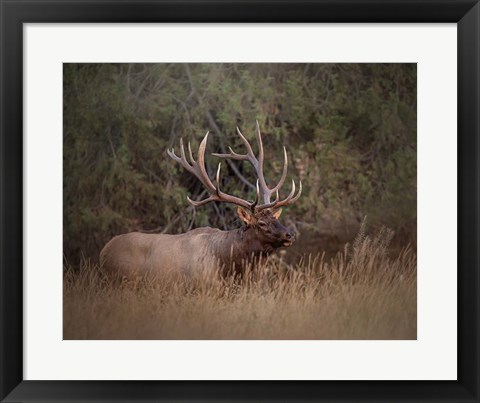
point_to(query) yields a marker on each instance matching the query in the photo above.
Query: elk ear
(277, 213)
(245, 216)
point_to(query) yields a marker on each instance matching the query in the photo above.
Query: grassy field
(362, 293)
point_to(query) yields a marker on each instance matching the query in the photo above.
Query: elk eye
(262, 224)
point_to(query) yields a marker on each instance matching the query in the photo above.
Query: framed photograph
(255, 201)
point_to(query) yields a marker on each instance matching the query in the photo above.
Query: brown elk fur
(200, 251)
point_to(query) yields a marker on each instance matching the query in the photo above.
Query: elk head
(268, 229)
(260, 217)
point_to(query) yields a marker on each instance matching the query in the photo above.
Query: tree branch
(212, 122)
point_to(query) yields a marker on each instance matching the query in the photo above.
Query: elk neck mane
(234, 246)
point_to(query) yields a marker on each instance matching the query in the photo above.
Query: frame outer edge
(469, 200)
(11, 346)
(11, 215)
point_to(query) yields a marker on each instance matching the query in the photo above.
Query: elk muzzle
(289, 238)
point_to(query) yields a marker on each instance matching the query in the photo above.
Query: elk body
(206, 250)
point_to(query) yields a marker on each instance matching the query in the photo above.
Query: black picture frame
(14, 13)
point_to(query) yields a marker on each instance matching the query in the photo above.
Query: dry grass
(359, 294)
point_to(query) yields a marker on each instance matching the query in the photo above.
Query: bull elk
(208, 249)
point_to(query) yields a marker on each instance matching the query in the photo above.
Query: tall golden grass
(361, 293)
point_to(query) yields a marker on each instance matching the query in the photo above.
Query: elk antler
(198, 169)
(258, 166)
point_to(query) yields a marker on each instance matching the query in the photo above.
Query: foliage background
(350, 132)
